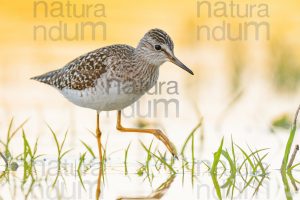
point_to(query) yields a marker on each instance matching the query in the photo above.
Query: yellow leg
(156, 132)
(98, 135)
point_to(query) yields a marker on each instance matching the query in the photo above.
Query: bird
(113, 77)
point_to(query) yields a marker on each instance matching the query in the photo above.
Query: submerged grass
(29, 157)
(289, 143)
(193, 157)
(251, 163)
(7, 155)
(165, 163)
(286, 170)
(89, 149)
(156, 157)
(60, 152)
(125, 158)
(190, 136)
(149, 155)
(81, 161)
(213, 169)
(254, 159)
(217, 155)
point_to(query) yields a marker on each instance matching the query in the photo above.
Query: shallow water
(249, 130)
(116, 185)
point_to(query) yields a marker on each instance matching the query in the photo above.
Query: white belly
(100, 98)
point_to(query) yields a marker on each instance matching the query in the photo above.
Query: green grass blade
(248, 158)
(55, 139)
(89, 149)
(190, 136)
(11, 134)
(148, 150)
(63, 154)
(193, 158)
(233, 152)
(217, 156)
(81, 160)
(125, 159)
(289, 143)
(208, 167)
(292, 167)
(18, 128)
(216, 184)
(26, 144)
(165, 163)
(287, 190)
(232, 169)
(9, 130)
(63, 142)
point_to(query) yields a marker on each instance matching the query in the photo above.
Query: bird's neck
(143, 64)
(144, 69)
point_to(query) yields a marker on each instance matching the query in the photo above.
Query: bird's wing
(78, 74)
(83, 72)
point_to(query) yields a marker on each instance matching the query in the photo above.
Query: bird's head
(157, 47)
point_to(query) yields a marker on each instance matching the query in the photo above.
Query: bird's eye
(157, 47)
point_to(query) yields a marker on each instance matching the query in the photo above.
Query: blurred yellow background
(126, 22)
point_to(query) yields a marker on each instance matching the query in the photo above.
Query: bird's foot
(171, 148)
(175, 156)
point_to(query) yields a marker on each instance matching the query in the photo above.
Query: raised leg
(98, 136)
(156, 132)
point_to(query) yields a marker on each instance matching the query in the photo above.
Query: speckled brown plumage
(82, 72)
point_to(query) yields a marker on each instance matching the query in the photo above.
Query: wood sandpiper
(114, 77)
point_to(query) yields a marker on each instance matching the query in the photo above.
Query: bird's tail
(48, 78)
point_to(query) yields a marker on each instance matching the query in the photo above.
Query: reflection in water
(8, 178)
(98, 190)
(286, 168)
(286, 186)
(216, 184)
(286, 177)
(40, 179)
(253, 177)
(156, 194)
(232, 183)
